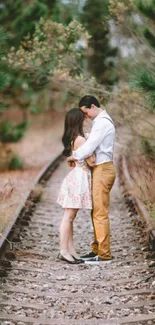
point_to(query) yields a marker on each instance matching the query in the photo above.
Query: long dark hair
(72, 128)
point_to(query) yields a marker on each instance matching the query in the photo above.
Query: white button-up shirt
(101, 140)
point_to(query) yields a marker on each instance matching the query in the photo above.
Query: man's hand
(71, 161)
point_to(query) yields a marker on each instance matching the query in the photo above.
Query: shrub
(147, 148)
(16, 163)
(10, 133)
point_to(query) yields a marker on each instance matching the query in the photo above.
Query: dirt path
(40, 145)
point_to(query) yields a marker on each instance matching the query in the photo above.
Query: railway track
(36, 289)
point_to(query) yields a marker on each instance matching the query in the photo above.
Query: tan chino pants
(103, 179)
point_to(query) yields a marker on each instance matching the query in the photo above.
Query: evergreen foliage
(19, 18)
(64, 13)
(40, 43)
(4, 75)
(147, 8)
(144, 78)
(102, 54)
(50, 50)
(150, 37)
(33, 49)
(10, 133)
(15, 163)
(147, 148)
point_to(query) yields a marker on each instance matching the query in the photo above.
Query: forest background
(53, 52)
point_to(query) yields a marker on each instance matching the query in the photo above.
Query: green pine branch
(20, 17)
(145, 81)
(4, 77)
(31, 14)
(150, 37)
(3, 41)
(147, 148)
(147, 8)
(11, 133)
(4, 80)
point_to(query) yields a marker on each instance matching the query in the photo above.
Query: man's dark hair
(88, 100)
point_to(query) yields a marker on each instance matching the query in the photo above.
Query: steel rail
(135, 205)
(5, 236)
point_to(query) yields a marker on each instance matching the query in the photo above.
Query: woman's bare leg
(65, 232)
(71, 244)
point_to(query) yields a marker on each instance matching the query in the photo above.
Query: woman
(75, 192)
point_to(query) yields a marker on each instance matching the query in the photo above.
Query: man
(101, 140)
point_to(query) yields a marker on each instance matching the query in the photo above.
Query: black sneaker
(88, 256)
(96, 260)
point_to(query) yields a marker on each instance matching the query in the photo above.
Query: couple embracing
(88, 184)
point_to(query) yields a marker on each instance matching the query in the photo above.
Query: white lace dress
(75, 191)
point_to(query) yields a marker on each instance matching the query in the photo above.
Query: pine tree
(36, 56)
(64, 13)
(4, 76)
(23, 83)
(19, 18)
(147, 8)
(144, 77)
(102, 54)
